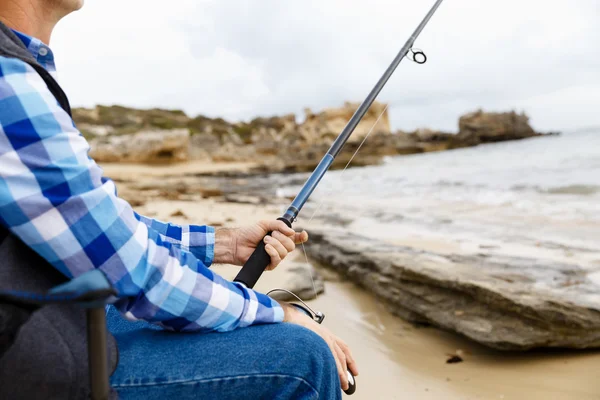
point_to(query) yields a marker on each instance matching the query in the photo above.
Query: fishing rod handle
(257, 263)
(253, 269)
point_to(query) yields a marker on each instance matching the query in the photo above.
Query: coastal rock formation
(155, 146)
(109, 120)
(331, 121)
(505, 303)
(430, 140)
(277, 144)
(484, 127)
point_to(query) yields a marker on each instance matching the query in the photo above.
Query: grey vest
(48, 359)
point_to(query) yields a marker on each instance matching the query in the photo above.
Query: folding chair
(91, 291)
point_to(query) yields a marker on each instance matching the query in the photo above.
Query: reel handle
(351, 379)
(351, 384)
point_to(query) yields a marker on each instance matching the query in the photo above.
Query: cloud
(240, 59)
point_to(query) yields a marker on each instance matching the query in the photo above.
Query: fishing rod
(259, 260)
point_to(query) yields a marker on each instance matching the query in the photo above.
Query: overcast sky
(240, 59)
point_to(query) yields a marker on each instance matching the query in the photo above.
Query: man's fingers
(280, 226)
(338, 363)
(271, 226)
(277, 245)
(286, 241)
(339, 349)
(300, 237)
(283, 240)
(342, 368)
(275, 258)
(351, 362)
(276, 225)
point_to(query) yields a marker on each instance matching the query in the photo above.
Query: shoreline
(411, 361)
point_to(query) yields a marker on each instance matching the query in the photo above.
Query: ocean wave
(449, 183)
(575, 189)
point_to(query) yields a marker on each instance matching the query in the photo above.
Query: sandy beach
(397, 360)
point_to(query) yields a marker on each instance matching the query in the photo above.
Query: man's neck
(31, 17)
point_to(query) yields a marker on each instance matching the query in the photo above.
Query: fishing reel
(417, 56)
(318, 317)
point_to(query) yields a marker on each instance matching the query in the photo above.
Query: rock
(506, 303)
(241, 198)
(278, 143)
(384, 144)
(485, 127)
(203, 145)
(454, 359)
(331, 121)
(155, 146)
(210, 192)
(91, 131)
(429, 135)
(431, 140)
(300, 282)
(178, 213)
(125, 120)
(214, 126)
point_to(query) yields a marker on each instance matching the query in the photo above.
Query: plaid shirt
(55, 199)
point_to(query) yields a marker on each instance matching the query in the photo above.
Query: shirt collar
(42, 53)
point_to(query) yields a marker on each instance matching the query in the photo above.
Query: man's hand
(340, 350)
(234, 246)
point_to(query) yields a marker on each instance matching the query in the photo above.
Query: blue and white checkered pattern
(55, 199)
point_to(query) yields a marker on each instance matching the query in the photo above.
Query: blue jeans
(279, 361)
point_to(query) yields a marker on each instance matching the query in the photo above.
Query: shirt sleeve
(54, 198)
(197, 239)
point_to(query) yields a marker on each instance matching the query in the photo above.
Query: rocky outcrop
(484, 127)
(109, 120)
(278, 144)
(505, 303)
(155, 146)
(429, 140)
(331, 121)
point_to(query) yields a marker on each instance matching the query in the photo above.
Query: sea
(536, 198)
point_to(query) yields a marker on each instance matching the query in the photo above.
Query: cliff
(481, 127)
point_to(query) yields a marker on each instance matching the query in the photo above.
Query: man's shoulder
(17, 80)
(11, 66)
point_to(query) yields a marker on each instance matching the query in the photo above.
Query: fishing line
(416, 56)
(414, 52)
(331, 191)
(259, 260)
(351, 158)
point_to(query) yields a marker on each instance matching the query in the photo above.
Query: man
(59, 218)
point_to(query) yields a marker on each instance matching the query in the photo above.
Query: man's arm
(53, 197)
(197, 239)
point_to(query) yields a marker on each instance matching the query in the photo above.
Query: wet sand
(132, 171)
(401, 361)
